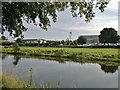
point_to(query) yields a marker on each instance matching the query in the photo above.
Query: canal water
(64, 75)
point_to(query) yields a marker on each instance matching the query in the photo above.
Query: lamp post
(70, 35)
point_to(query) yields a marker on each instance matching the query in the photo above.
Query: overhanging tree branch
(13, 13)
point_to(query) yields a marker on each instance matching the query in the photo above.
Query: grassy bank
(63, 60)
(100, 54)
(0, 80)
(12, 81)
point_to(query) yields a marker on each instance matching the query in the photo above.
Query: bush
(16, 47)
(73, 55)
(7, 43)
(58, 53)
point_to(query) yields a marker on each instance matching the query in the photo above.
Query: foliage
(75, 42)
(16, 47)
(3, 38)
(18, 83)
(20, 41)
(81, 40)
(53, 43)
(109, 69)
(58, 53)
(6, 43)
(62, 42)
(15, 13)
(73, 55)
(67, 41)
(11, 81)
(108, 35)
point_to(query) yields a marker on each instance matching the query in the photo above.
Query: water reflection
(3, 56)
(109, 69)
(81, 74)
(60, 60)
(104, 67)
(31, 76)
(16, 59)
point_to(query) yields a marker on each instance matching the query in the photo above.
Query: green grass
(0, 80)
(104, 54)
(11, 81)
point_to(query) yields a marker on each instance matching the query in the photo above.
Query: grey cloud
(66, 23)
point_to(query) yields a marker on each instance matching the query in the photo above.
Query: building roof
(91, 36)
(32, 39)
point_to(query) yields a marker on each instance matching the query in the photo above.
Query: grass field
(105, 54)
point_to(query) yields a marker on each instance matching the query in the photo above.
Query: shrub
(73, 55)
(58, 53)
(16, 47)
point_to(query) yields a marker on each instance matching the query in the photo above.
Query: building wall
(91, 39)
(34, 41)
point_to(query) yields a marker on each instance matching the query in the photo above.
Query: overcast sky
(66, 23)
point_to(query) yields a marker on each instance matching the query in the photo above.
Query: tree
(16, 58)
(108, 35)
(3, 38)
(81, 40)
(75, 42)
(62, 42)
(109, 69)
(67, 41)
(19, 40)
(16, 47)
(39, 42)
(15, 13)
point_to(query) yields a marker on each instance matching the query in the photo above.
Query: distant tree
(44, 42)
(16, 47)
(39, 42)
(108, 35)
(119, 37)
(19, 40)
(75, 42)
(109, 69)
(81, 40)
(3, 38)
(62, 42)
(67, 41)
(14, 14)
(71, 43)
(16, 58)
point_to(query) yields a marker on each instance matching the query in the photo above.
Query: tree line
(107, 36)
